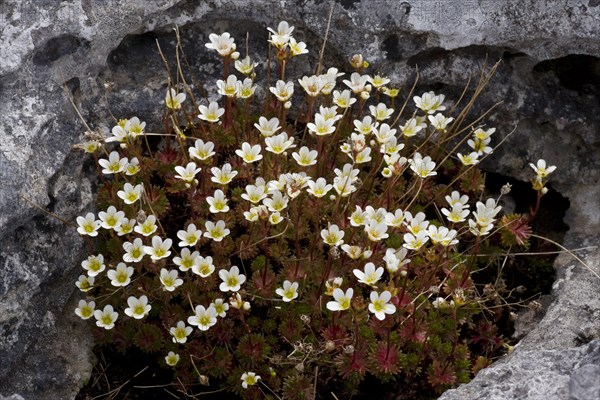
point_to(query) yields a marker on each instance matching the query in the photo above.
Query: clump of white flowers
(341, 212)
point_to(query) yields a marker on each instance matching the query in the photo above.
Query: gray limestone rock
(102, 53)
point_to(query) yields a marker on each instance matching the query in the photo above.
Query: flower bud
(357, 61)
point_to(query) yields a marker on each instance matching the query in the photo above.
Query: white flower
(541, 169)
(174, 100)
(378, 81)
(114, 164)
(363, 156)
(148, 227)
(203, 318)
(252, 214)
(429, 102)
(457, 214)
(358, 83)
(321, 126)
(329, 80)
(380, 305)
(277, 202)
(172, 359)
(333, 236)
(111, 219)
(275, 218)
(354, 252)
(249, 153)
(187, 259)
(201, 150)
(394, 259)
(410, 128)
(94, 265)
(394, 219)
(203, 266)
(220, 307)
(486, 213)
(384, 134)
(85, 310)
(480, 146)
(422, 167)
(480, 229)
(132, 167)
(138, 308)
(376, 231)
(170, 279)
(342, 99)
(417, 223)
(187, 174)
(341, 300)
(130, 194)
(231, 87)
(232, 279)
(289, 291)
(88, 225)
(305, 157)
(330, 113)
(247, 89)
(249, 379)
(255, 193)
(223, 175)
(85, 283)
(365, 126)
(135, 127)
(414, 242)
(312, 85)
(134, 252)
(319, 188)
(283, 90)
(279, 143)
(216, 231)
(120, 276)
(442, 235)
(370, 276)
(376, 215)
(456, 198)
(294, 183)
(282, 36)
(245, 66)
(347, 171)
(106, 318)
(119, 134)
(440, 122)
(224, 44)
(159, 248)
(381, 112)
(190, 236)
(481, 134)
(343, 187)
(217, 202)
(297, 48)
(468, 159)
(212, 113)
(358, 217)
(180, 332)
(267, 127)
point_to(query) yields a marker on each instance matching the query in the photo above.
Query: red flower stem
(325, 276)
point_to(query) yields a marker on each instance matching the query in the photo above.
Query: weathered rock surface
(549, 83)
